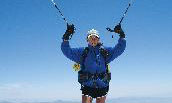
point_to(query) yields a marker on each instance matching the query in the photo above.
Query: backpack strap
(81, 74)
(105, 54)
(84, 55)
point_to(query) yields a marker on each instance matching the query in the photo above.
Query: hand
(119, 30)
(69, 32)
(70, 29)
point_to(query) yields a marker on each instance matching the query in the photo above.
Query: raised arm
(73, 54)
(116, 51)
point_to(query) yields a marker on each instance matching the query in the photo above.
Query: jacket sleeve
(73, 54)
(116, 51)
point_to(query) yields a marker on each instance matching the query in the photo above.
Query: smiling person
(94, 75)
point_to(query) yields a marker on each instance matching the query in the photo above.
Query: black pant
(94, 92)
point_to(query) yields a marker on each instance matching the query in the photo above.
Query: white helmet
(92, 32)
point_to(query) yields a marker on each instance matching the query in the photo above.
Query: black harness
(85, 76)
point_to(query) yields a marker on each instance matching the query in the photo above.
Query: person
(93, 76)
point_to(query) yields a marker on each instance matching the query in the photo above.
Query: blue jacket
(94, 62)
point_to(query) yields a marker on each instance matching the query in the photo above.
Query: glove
(69, 32)
(119, 30)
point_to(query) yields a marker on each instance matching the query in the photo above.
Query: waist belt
(84, 76)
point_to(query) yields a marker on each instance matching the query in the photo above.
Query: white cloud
(13, 90)
(35, 91)
(66, 91)
(140, 91)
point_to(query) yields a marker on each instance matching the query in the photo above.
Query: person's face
(93, 40)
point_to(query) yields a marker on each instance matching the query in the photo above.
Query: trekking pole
(131, 1)
(126, 11)
(59, 11)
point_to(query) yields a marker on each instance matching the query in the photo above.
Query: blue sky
(33, 66)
